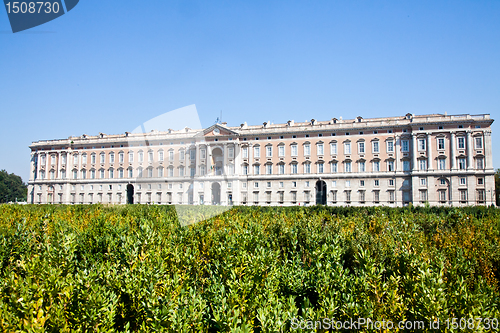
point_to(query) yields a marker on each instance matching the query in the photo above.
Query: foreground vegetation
(135, 268)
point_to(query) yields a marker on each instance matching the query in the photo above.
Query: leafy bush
(251, 269)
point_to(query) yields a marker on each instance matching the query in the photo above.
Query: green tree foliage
(497, 186)
(251, 269)
(12, 187)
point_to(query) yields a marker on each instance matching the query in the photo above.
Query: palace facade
(436, 159)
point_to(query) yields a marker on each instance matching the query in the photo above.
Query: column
(470, 164)
(488, 155)
(452, 150)
(429, 152)
(414, 151)
(398, 153)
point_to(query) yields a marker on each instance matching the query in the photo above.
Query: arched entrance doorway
(320, 192)
(215, 194)
(218, 161)
(130, 194)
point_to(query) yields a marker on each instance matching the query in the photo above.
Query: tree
(12, 188)
(497, 186)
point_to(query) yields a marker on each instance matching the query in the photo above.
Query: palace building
(437, 159)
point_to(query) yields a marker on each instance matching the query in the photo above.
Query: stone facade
(436, 159)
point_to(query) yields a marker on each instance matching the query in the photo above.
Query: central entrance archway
(130, 194)
(320, 192)
(215, 194)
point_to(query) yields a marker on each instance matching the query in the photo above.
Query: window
(440, 142)
(390, 165)
(256, 151)
(333, 148)
(334, 167)
(347, 183)
(334, 183)
(361, 147)
(307, 168)
(203, 153)
(334, 196)
(294, 168)
(170, 172)
(52, 174)
(256, 184)
(442, 195)
(362, 183)
(480, 181)
(423, 195)
(390, 146)
(256, 169)
(84, 159)
(307, 196)
(42, 160)
(230, 153)
(463, 181)
(442, 181)
(294, 184)
(441, 164)
(307, 149)
(245, 170)
(203, 170)
(84, 174)
(320, 149)
(268, 184)
(111, 173)
(423, 181)
(461, 142)
(348, 167)
(111, 158)
(269, 169)
(294, 196)
(160, 172)
(320, 168)
(121, 157)
(181, 171)
(294, 150)
(406, 165)
(170, 155)
(160, 155)
(182, 155)
(391, 182)
(120, 173)
(192, 171)
(391, 196)
(463, 195)
(281, 169)
(269, 151)
(481, 196)
(282, 184)
(479, 143)
(375, 147)
(92, 158)
(479, 163)
(421, 144)
(75, 159)
(141, 157)
(462, 164)
(130, 157)
(281, 151)
(405, 146)
(376, 183)
(75, 174)
(139, 172)
(422, 164)
(361, 166)
(63, 159)
(130, 173)
(347, 196)
(376, 166)
(376, 196)
(347, 148)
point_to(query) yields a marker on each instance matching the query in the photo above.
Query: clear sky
(108, 66)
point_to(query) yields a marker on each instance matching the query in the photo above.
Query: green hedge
(251, 269)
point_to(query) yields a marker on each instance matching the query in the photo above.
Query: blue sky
(108, 66)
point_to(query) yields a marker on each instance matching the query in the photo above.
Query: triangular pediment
(217, 129)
